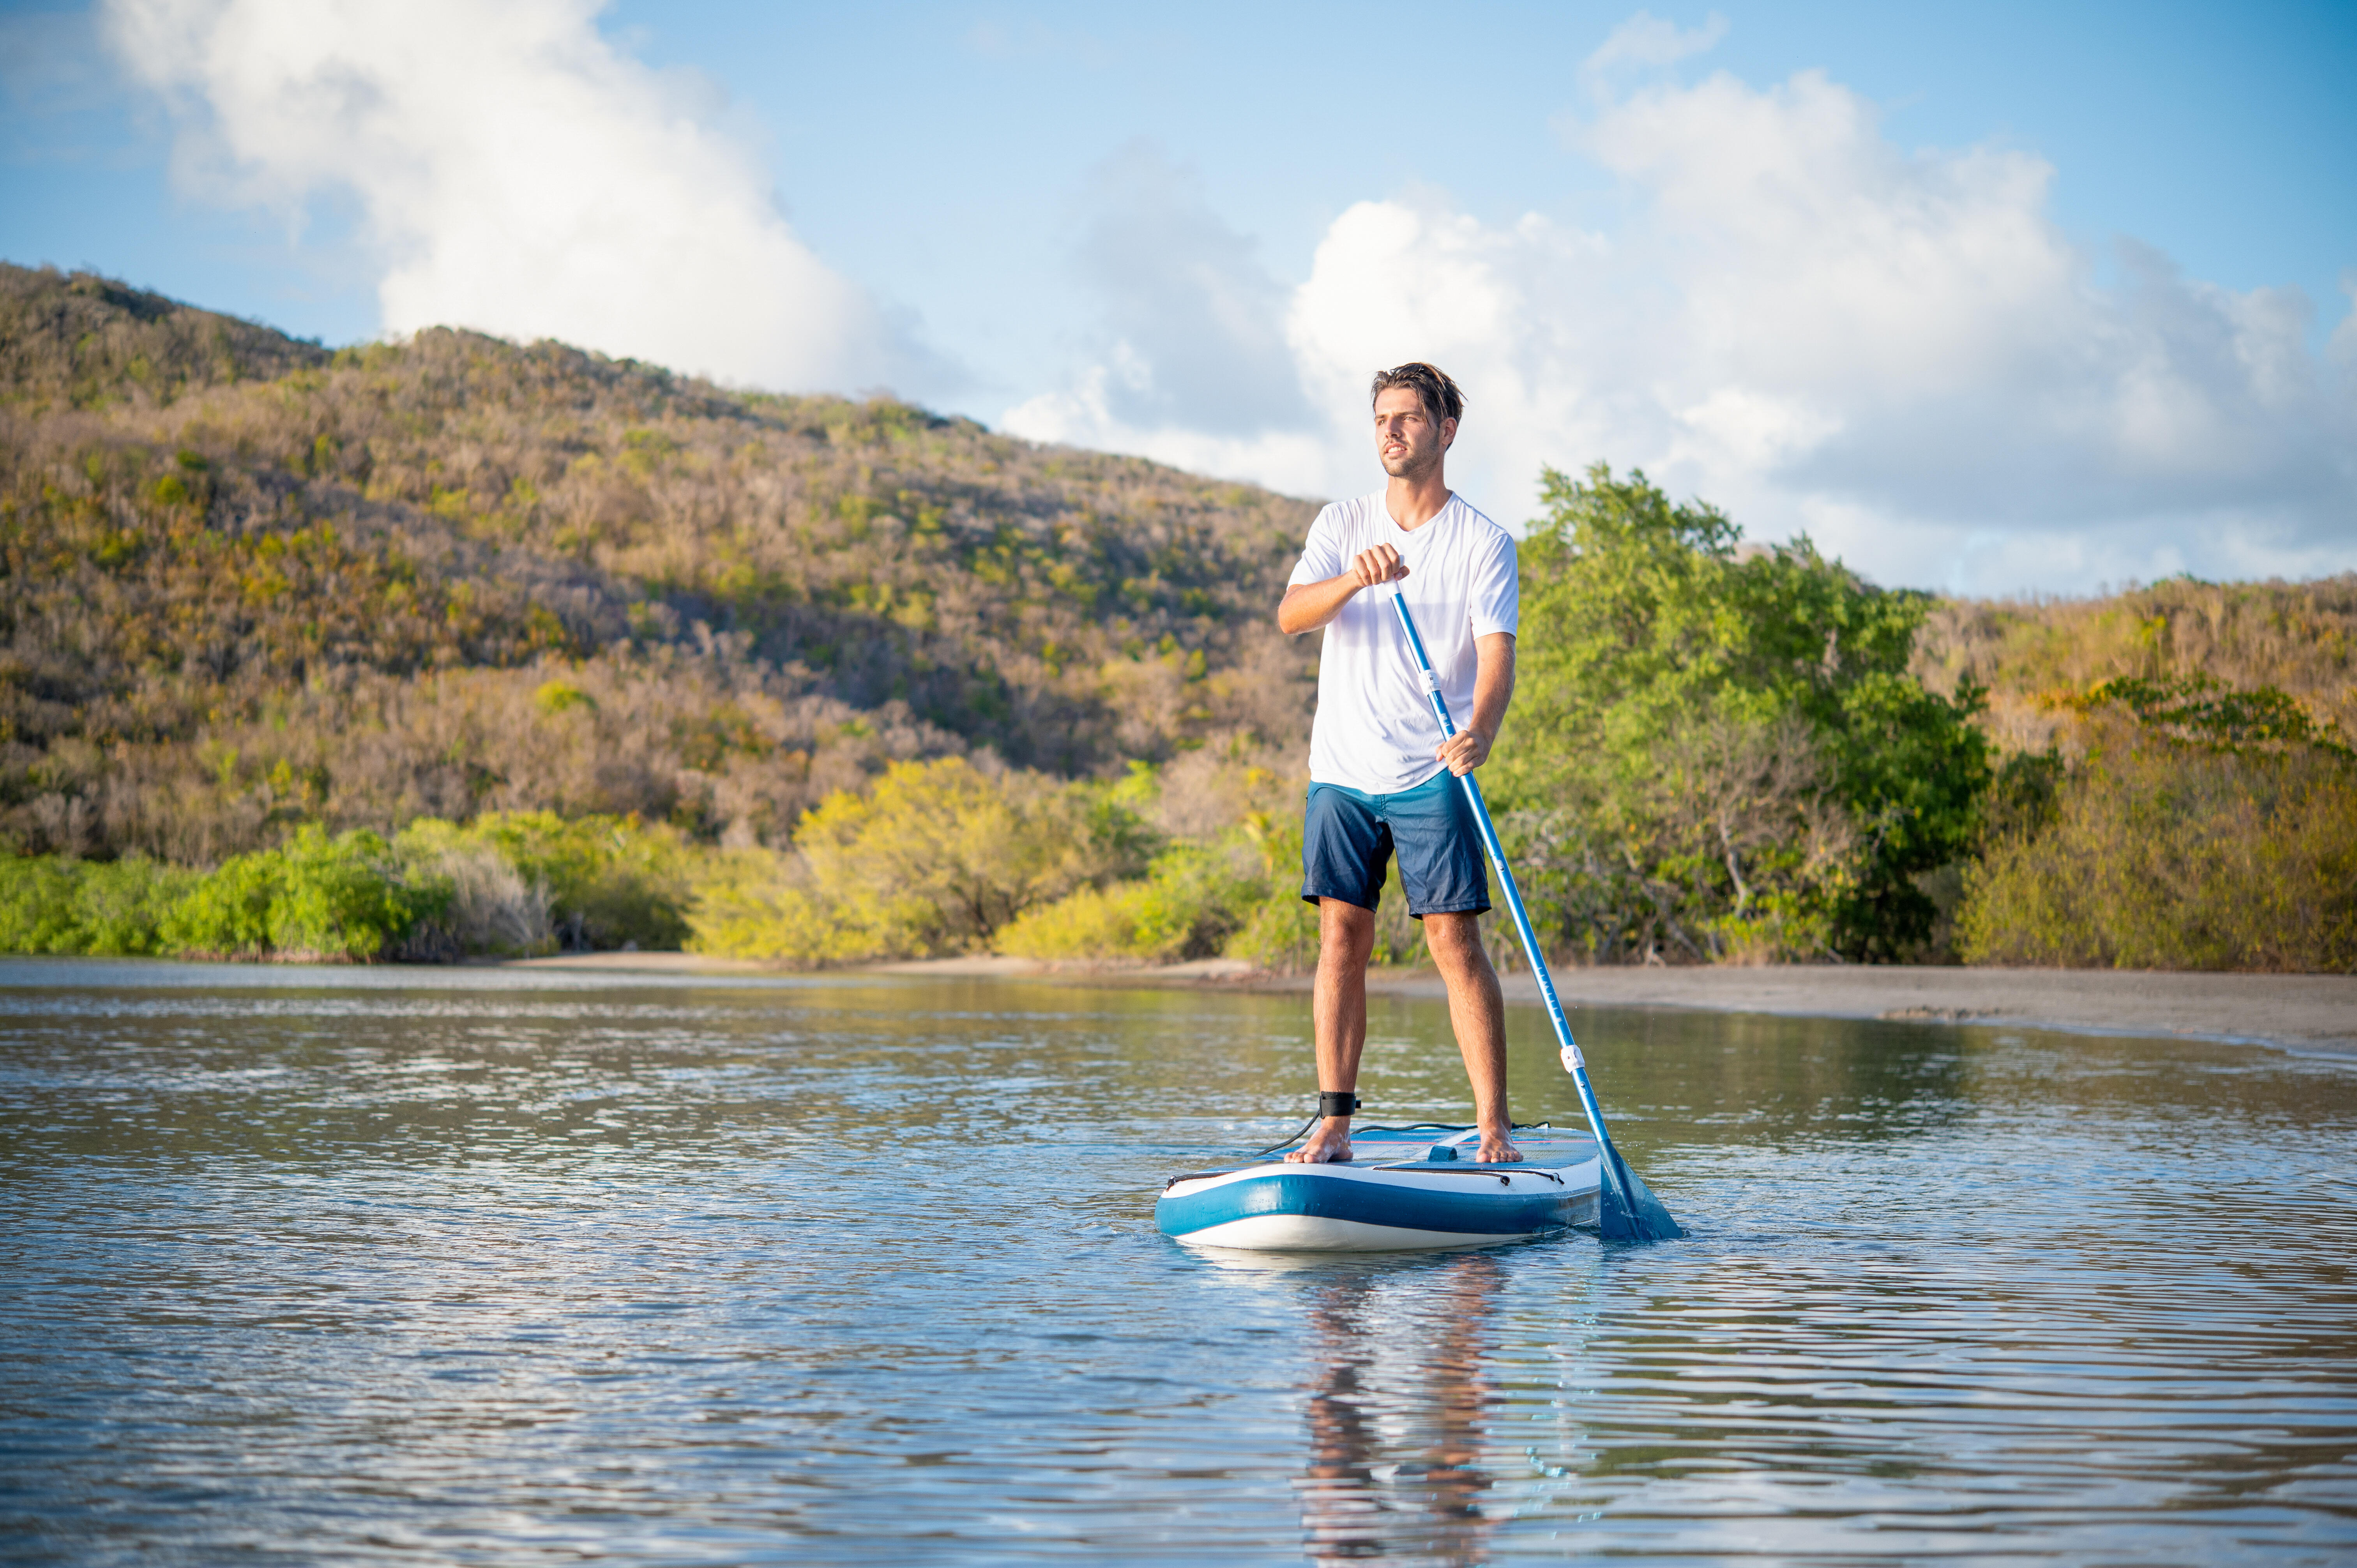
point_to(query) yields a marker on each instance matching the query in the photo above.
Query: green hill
(250, 582)
(455, 646)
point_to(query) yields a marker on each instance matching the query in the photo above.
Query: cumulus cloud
(514, 172)
(1898, 351)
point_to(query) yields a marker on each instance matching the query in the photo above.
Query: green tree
(1716, 753)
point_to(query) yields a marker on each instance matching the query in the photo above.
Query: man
(1380, 782)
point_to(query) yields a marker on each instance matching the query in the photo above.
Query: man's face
(1407, 442)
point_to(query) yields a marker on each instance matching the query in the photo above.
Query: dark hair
(1440, 395)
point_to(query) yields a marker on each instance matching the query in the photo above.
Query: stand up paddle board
(1406, 1188)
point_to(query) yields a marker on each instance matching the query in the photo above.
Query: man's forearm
(1494, 688)
(1308, 606)
(1493, 682)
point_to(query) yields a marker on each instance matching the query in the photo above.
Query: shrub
(524, 880)
(2164, 855)
(315, 896)
(1092, 923)
(1190, 901)
(37, 906)
(489, 908)
(936, 857)
(757, 904)
(1279, 934)
(119, 906)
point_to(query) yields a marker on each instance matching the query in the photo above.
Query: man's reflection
(1395, 1416)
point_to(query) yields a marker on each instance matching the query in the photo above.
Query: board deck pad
(1403, 1188)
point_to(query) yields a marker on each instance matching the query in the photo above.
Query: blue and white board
(1406, 1188)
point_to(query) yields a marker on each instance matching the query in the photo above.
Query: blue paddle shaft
(1647, 1219)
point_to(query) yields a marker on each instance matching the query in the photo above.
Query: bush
(936, 857)
(100, 908)
(1188, 904)
(489, 908)
(1279, 934)
(2163, 855)
(119, 906)
(525, 882)
(37, 906)
(757, 904)
(313, 897)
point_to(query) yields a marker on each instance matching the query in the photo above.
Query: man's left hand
(1464, 751)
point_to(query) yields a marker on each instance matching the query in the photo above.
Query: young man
(1380, 779)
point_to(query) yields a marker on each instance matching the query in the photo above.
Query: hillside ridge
(252, 581)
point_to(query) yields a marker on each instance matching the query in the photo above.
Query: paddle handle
(1573, 1062)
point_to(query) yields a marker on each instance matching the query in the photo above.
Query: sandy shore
(2311, 1012)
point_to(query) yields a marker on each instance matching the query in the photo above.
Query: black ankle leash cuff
(1336, 1102)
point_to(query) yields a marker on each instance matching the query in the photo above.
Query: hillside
(250, 582)
(2297, 637)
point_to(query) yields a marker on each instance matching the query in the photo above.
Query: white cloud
(1896, 350)
(1646, 40)
(514, 172)
(1195, 323)
(1187, 361)
(1298, 462)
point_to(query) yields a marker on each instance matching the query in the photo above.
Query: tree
(1716, 753)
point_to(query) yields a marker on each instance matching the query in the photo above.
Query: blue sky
(1989, 298)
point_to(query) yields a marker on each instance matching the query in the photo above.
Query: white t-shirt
(1375, 730)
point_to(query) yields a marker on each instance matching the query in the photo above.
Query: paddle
(1626, 1210)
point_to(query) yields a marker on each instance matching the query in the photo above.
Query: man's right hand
(1378, 566)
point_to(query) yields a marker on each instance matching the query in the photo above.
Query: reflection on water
(1394, 1417)
(376, 1266)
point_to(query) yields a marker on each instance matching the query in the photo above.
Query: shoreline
(2292, 1011)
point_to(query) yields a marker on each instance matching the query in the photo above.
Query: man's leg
(1346, 935)
(1477, 1011)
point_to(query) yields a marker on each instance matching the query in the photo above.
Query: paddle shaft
(1571, 1061)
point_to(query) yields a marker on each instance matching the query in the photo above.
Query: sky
(1991, 299)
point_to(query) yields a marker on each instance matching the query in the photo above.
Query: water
(400, 1267)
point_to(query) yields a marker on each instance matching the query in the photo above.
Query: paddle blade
(1626, 1209)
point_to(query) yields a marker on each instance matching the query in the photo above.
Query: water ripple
(797, 1274)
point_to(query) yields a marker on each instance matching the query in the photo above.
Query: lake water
(480, 1267)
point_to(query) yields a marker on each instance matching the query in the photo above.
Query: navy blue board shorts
(1347, 835)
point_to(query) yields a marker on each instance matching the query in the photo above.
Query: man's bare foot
(1331, 1142)
(1498, 1149)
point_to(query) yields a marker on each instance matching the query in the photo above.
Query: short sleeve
(1321, 557)
(1497, 597)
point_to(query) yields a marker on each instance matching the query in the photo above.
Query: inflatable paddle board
(1405, 1189)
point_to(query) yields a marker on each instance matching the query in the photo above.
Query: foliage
(501, 885)
(85, 342)
(1235, 891)
(247, 583)
(1191, 900)
(51, 906)
(318, 896)
(935, 859)
(1716, 753)
(541, 881)
(2032, 656)
(2157, 853)
(2198, 709)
